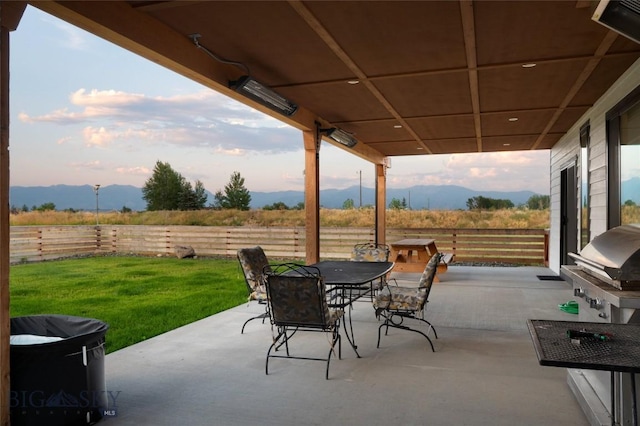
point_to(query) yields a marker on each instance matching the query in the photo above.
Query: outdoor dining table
(610, 347)
(348, 281)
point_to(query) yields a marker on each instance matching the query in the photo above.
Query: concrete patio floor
(484, 370)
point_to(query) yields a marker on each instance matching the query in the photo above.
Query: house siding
(567, 150)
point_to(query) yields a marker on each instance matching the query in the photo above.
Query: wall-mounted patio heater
(621, 16)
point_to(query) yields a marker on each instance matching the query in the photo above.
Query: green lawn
(138, 297)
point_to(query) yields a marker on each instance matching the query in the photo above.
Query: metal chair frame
(298, 302)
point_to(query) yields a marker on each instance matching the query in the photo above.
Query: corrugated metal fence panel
(31, 243)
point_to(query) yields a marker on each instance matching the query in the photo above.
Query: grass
(508, 218)
(138, 297)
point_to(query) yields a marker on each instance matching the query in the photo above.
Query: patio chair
(371, 252)
(396, 304)
(254, 263)
(297, 303)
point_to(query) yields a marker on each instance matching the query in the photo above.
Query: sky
(84, 111)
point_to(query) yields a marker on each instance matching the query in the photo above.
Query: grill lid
(615, 252)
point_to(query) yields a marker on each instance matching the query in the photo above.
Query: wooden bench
(446, 259)
(413, 254)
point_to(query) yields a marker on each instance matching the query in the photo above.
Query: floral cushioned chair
(371, 252)
(298, 302)
(397, 303)
(254, 263)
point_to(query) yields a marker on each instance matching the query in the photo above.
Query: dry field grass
(498, 219)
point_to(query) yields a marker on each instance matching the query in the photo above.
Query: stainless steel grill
(613, 257)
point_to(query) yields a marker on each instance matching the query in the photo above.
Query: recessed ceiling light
(420, 147)
(529, 65)
(397, 126)
(513, 119)
(506, 144)
(353, 81)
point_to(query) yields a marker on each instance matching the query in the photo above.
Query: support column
(312, 195)
(5, 323)
(10, 15)
(381, 204)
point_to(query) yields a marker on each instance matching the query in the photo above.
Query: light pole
(95, 189)
(360, 171)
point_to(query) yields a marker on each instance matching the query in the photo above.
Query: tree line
(167, 189)
(535, 202)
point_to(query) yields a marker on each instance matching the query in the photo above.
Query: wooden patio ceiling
(433, 77)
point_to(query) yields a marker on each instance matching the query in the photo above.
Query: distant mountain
(631, 190)
(115, 197)
(436, 197)
(112, 197)
(290, 198)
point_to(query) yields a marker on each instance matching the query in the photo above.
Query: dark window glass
(623, 161)
(584, 185)
(630, 166)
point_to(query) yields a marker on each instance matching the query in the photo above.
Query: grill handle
(586, 261)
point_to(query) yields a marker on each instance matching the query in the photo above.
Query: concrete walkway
(484, 370)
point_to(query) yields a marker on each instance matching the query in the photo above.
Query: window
(584, 185)
(630, 166)
(623, 144)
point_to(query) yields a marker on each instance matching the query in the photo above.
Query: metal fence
(36, 243)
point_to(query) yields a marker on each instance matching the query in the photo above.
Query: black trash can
(57, 370)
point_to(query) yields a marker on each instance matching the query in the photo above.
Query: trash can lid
(64, 326)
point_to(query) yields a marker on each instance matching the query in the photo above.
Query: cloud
(334, 181)
(204, 119)
(97, 165)
(501, 171)
(60, 116)
(72, 37)
(496, 159)
(89, 165)
(413, 179)
(235, 152)
(97, 136)
(104, 99)
(482, 172)
(292, 180)
(63, 141)
(133, 171)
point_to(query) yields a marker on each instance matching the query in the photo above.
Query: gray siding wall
(567, 151)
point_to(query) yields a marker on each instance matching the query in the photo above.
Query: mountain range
(115, 197)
